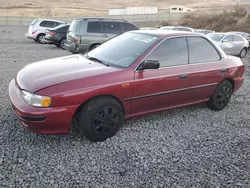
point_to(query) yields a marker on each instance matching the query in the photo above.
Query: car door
(111, 30)
(167, 86)
(238, 44)
(94, 34)
(206, 68)
(227, 44)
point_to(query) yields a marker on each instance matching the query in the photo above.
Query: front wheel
(101, 118)
(221, 96)
(243, 53)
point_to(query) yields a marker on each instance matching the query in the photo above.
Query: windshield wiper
(98, 60)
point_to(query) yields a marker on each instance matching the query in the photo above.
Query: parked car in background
(232, 44)
(167, 27)
(57, 35)
(85, 34)
(243, 34)
(204, 31)
(148, 28)
(38, 28)
(177, 28)
(113, 82)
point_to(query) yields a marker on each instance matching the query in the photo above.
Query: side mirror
(150, 64)
(225, 40)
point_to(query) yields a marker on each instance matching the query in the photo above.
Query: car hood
(39, 75)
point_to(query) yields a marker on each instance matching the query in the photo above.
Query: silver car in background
(38, 27)
(204, 31)
(177, 28)
(230, 43)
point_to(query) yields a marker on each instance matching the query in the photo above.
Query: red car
(136, 73)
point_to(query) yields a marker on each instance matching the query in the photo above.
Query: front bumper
(53, 120)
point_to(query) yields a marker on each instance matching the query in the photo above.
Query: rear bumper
(30, 36)
(71, 47)
(54, 120)
(52, 40)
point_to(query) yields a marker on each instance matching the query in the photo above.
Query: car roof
(103, 19)
(166, 33)
(47, 19)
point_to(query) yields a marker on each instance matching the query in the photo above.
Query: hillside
(90, 8)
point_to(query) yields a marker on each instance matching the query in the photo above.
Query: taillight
(76, 41)
(33, 32)
(52, 33)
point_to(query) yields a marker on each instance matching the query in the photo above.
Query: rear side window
(201, 50)
(74, 26)
(113, 27)
(229, 38)
(34, 22)
(171, 52)
(94, 27)
(237, 38)
(129, 27)
(50, 24)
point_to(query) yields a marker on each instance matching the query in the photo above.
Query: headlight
(35, 100)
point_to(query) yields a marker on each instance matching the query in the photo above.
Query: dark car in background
(85, 34)
(57, 35)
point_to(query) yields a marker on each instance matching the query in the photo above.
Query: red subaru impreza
(136, 73)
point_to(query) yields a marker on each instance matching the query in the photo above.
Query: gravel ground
(185, 147)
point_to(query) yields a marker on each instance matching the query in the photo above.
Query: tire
(93, 46)
(100, 118)
(243, 53)
(221, 96)
(62, 43)
(57, 45)
(41, 39)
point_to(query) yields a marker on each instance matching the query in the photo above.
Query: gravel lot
(186, 147)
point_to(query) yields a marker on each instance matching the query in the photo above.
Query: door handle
(183, 76)
(223, 70)
(105, 35)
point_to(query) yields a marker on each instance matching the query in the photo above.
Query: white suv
(38, 28)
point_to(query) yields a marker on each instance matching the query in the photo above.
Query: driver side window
(171, 52)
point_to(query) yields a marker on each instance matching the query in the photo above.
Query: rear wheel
(243, 53)
(41, 38)
(100, 118)
(62, 43)
(221, 96)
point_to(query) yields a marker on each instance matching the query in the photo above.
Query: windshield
(33, 22)
(123, 50)
(216, 37)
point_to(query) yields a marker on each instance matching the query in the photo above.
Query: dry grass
(237, 19)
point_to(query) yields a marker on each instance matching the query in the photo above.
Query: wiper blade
(98, 60)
